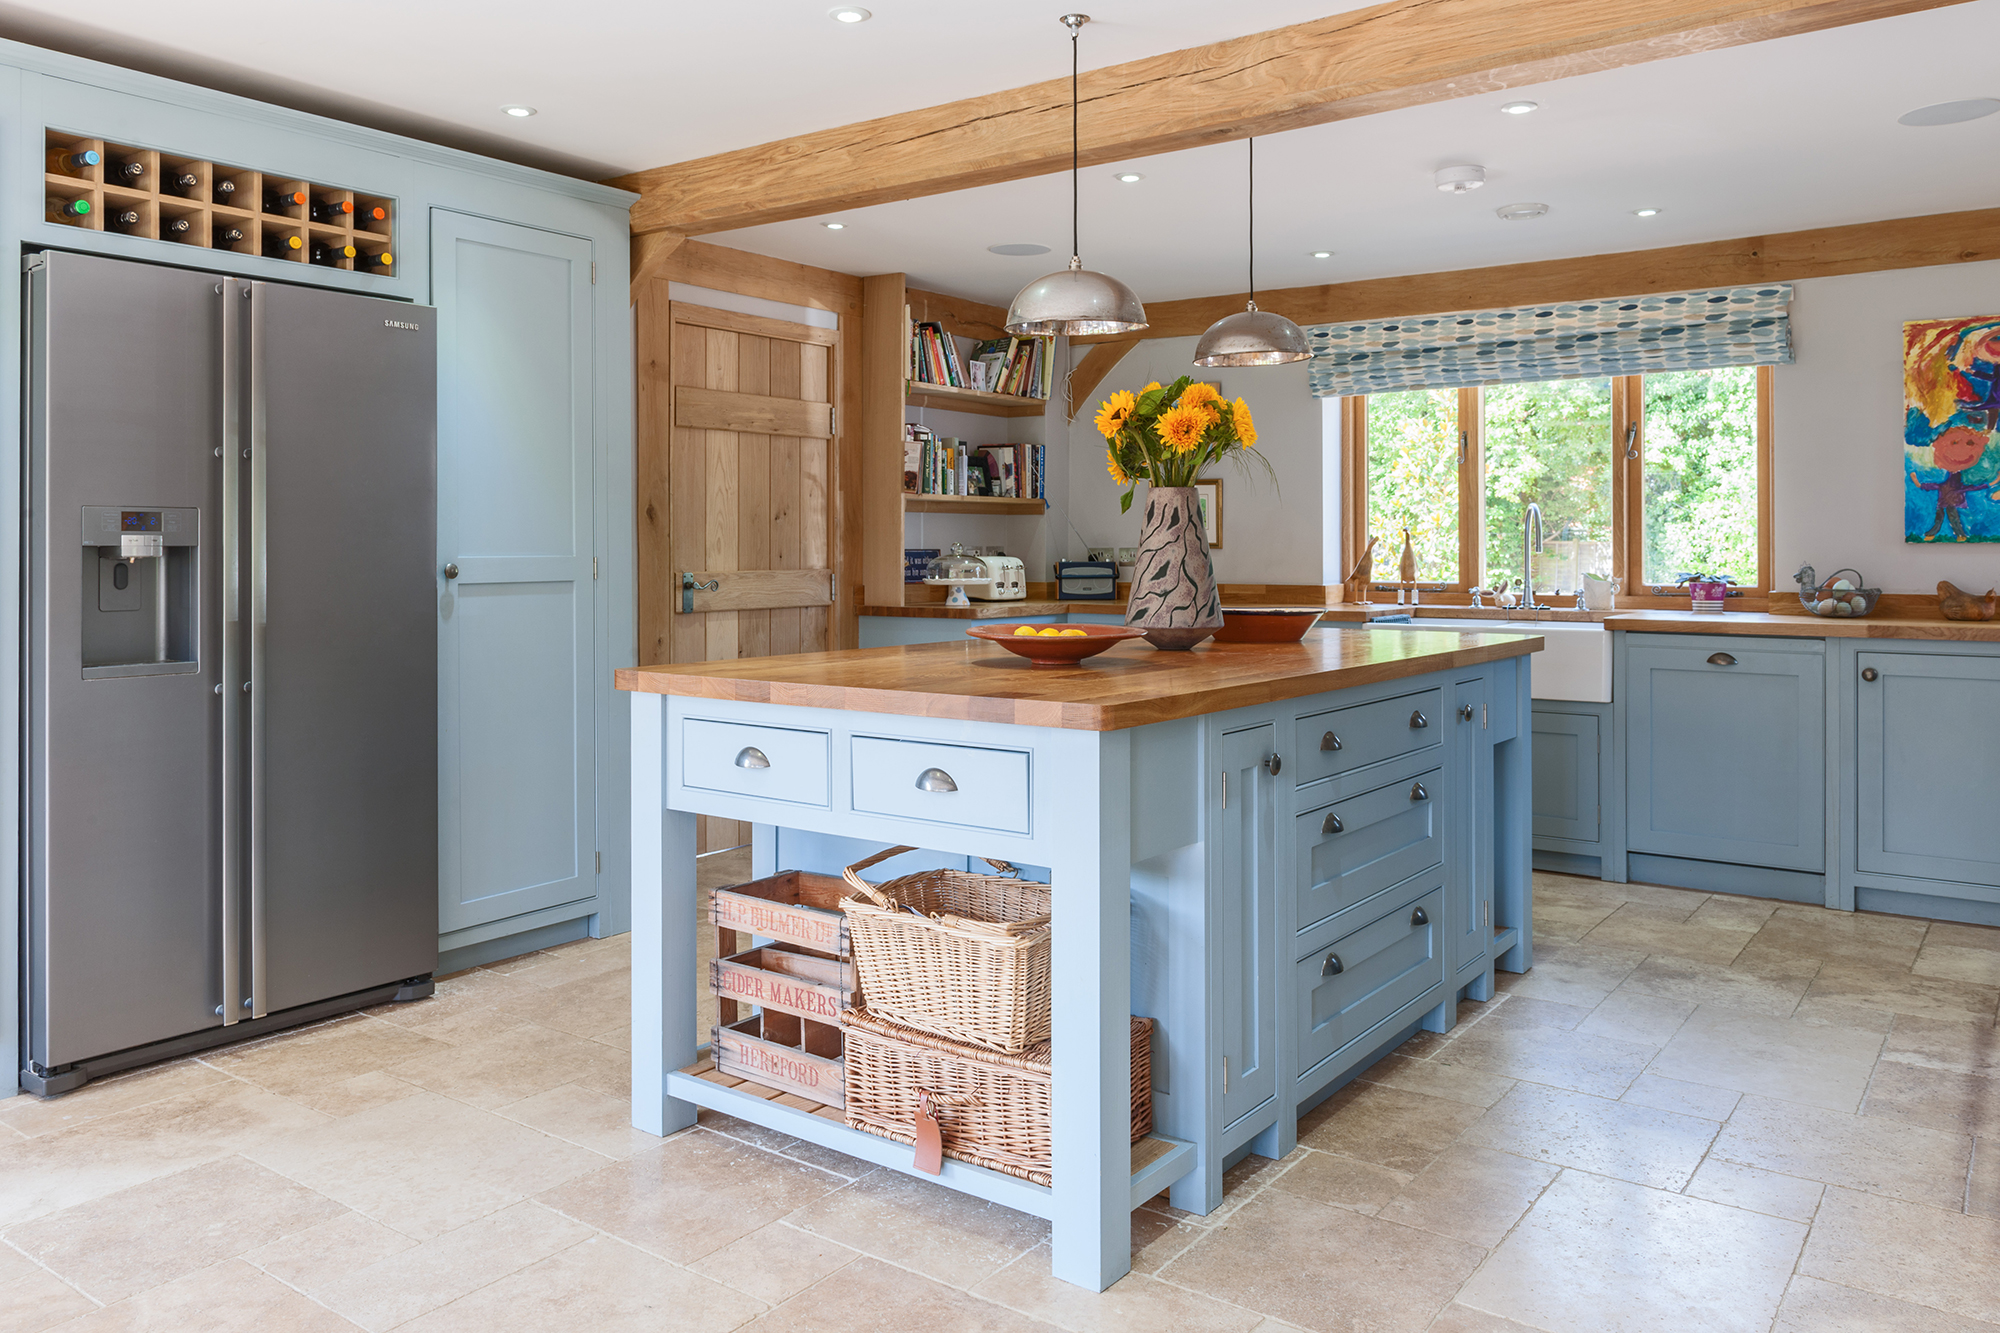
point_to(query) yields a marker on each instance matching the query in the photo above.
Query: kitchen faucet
(1533, 513)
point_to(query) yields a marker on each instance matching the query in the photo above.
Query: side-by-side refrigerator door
(128, 427)
(343, 653)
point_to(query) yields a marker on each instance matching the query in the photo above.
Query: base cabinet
(1926, 740)
(1567, 800)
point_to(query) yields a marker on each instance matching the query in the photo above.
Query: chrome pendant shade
(1255, 337)
(1075, 302)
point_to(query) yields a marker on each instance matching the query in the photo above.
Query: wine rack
(239, 209)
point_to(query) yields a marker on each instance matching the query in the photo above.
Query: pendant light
(1255, 337)
(1075, 302)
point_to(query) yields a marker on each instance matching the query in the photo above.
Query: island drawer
(949, 784)
(1350, 850)
(1343, 739)
(774, 763)
(1348, 988)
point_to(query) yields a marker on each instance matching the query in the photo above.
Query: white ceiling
(1777, 136)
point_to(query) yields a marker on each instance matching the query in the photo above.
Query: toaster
(1006, 580)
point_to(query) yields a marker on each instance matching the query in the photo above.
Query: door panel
(1566, 776)
(1246, 925)
(1929, 731)
(517, 665)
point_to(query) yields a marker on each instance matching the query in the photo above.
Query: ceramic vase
(1173, 582)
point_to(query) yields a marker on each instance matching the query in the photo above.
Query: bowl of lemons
(1055, 645)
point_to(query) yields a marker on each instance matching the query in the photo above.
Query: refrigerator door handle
(259, 440)
(230, 579)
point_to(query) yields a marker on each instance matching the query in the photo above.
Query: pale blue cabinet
(1567, 799)
(1928, 750)
(1246, 928)
(1725, 749)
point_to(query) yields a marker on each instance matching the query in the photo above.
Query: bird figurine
(1408, 568)
(1363, 572)
(1957, 604)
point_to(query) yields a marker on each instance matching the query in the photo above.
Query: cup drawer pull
(1329, 742)
(1332, 967)
(1721, 659)
(751, 757)
(935, 779)
(1417, 792)
(1332, 823)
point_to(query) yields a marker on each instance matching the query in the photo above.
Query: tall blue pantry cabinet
(528, 272)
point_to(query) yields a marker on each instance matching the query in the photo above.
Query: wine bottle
(124, 172)
(175, 226)
(68, 210)
(181, 182)
(225, 192)
(124, 219)
(277, 201)
(282, 247)
(330, 211)
(331, 254)
(378, 259)
(70, 162)
(226, 236)
(370, 213)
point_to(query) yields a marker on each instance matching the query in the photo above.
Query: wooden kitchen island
(1290, 856)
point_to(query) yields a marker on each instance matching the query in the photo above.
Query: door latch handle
(690, 586)
(1870, 673)
(1332, 824)
(1721, 659)
(751, 757)
(1329, 742)
(1417, 719)
(1332, 967)
(1420, 917)
(1417, 792)
(451, 571)
(1465, 712)
(935, 779)
(1273, 763)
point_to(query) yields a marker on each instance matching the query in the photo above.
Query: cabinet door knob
(1420, 917)
(1332, 967)
(1465, 712)
(1274, 762)
(1721, 659)
(1869, 673)
(1417, 792)
(935, 779)
(451, 571)
(1417, 719)
(1331, 824)
(751, 757)
(1329, 742)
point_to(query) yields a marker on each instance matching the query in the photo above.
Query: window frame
(1628, 537)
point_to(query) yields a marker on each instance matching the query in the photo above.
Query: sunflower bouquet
(1167, 436)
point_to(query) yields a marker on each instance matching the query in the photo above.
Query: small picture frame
(1208, 494)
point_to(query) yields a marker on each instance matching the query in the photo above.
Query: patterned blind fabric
(1725, 326)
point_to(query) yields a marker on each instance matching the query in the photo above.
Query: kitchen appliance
(1006, 580)
(1086, 581)
(230, 725)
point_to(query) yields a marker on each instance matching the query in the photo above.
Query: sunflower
(1198, 393)
(1117, 473)
(1246, 427)
(1180, 427)
(1115, 412)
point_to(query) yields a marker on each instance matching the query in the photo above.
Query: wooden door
(748, 420)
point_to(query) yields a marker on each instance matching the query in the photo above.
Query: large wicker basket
(960, 955)
(992, 1109)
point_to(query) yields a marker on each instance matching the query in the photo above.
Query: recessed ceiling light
(521, 111)
(1460, 179)
(1518, 108)
(849, 14)
(1950, 113)
(834, 226)
(1018, 248)
(1645, 212)
(1322, 254)
(1520, 212)
(1130, 177)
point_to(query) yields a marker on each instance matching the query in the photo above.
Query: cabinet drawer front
(950, 784)
(1367, 975)
(1352, 849)
(1368, 733)
(775, 763)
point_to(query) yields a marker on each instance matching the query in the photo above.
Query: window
(1642, 478)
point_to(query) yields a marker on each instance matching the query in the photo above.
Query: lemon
(1076, 634)
(1051, 633)
(1019, 630)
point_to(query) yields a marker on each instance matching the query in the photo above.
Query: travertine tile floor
(1696, 1113)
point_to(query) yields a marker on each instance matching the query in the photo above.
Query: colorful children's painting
(1951, 430)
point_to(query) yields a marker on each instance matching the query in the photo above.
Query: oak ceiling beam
(1402, 53)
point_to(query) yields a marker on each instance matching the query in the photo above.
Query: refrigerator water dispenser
(139, 605)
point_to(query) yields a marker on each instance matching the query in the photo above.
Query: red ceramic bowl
(1266, 624)
(1051, 650)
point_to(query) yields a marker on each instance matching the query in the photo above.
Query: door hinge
(593, 272)
(593, 567)
(832, 585)
(1482, 717)
(1225, 1076)
(832, 415)
(1225, 789)
(600, 863)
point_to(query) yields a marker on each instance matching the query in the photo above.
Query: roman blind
(1703, 330)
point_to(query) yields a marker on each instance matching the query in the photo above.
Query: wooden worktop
(1802, 626)
(1131, 685)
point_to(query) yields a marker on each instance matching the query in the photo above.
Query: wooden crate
(788, 981)
(793, 907)
(783, 1052)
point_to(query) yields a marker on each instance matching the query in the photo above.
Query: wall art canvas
(1951, 430)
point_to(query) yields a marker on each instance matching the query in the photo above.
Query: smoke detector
(1461, 179)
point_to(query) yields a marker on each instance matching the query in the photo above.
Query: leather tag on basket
(930, 1143)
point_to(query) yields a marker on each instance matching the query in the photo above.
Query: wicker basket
(993, 1109)
(959, 955)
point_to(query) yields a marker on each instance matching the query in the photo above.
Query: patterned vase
(1173, 583)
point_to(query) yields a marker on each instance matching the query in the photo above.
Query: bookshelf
(886, 396)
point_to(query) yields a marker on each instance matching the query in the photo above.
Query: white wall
(1271, 530)
(1838, 420)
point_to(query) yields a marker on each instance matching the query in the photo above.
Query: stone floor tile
(328, 1251)
(38, 1299)
(299, 1064)
(35, 1116)
(1524, 1011)
(775, 1262)
(1386, 1126)
(1732, 913)
(1635, 1143)
(868, 1296)
(1568, 922)
(1579, 974)
(1798, 931)
(1883, 986)
(1957, 935)
(1774, 1057)
(1956, 963)
(1813, 1306)
(1158, 1238)
(14, 1264)
(1331, 1178)
(1579, 1061)
(581, 1007)
(1133, 1304)
(154, 1232)
(1433, 1078)
(588, 1119)
(689, 1196)
(425, 1165)
(1772, 987)
(1982, 1186)
(229, 1297)
(576, 962)
(618, 1038)
(1628, 1015)
(1656, 930)
(359, 1093)
(1672, 1094)
(1470, 1193)
(599, 1285)
(1464, 1319)
(1926, 1256)
(1943, 1099)
(940, 1233)
(1568, 1266)
(1859, 1152)
(500, 1070)
(1326, 1268)
(1758, 1190)
(1844, 1014)
(1966, 1045)
(401, 1286)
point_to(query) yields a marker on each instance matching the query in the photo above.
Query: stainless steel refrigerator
(230, 736)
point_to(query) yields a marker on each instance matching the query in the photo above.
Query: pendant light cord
(1075, 243)
(1252, 247)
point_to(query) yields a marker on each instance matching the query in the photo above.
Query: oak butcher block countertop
(1130, 685)
(1806, 626)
